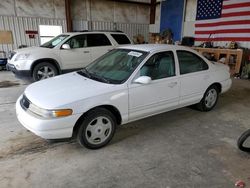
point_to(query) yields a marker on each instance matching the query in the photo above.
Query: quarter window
(121, 39)
(189, 62)
(97, 40)
(160, 65)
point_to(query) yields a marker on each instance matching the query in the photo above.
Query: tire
(97, 129)
(43, 71)
(241, 141)
(209, 100)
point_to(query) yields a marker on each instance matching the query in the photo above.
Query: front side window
(114, 67)
(160, 65)
(97, 40)
(78, 41)
(190, 62)
(121, 38)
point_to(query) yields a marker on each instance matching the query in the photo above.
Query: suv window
(121, 39)
(190, 62)
(160, 65)
(97, 40)
(78, 41)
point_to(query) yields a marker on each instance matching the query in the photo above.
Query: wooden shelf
(235, 55)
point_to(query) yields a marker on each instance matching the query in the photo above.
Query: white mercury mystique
(124, 85)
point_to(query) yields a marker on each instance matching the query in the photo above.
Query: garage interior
(180, 148)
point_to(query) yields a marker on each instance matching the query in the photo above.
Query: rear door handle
(172, 84)
(85, 52)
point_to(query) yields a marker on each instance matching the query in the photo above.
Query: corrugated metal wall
(18, 26)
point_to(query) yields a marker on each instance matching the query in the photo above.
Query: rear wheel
(209, 99)
(97, 129)
(43, 71)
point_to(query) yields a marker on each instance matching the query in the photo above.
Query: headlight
(50, 113)
(22, 57)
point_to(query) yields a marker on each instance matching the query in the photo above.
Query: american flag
(222, 20)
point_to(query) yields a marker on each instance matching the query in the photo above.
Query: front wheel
(43, 71)
(209, 99)
(97, 129)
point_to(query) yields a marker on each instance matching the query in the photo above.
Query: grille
(25, 103)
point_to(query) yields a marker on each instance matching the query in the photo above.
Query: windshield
(114, 67)
(55, 41)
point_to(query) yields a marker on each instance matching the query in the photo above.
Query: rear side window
(190, 62)
(97, 40)
(121, 39)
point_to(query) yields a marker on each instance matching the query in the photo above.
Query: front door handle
(206, 77)
(172, 84)
(85, 52)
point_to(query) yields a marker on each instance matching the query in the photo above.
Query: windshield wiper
(99, 78)
(84, 72)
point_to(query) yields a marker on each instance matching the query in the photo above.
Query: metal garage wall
(18, 26)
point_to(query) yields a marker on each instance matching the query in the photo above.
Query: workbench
(233, 57)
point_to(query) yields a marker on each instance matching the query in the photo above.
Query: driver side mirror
(143, 80)
(66, 47)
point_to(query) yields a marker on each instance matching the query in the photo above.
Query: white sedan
(124, 85)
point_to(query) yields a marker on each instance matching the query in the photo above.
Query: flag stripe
(242, 9)
(219, 35)
(224, 31)
(246, 39)
(224, 19)
(229, 2)
(235, 22)
(238, 5)
(223, 27)
(232, 14)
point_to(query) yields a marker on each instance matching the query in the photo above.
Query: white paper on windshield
(136, 54)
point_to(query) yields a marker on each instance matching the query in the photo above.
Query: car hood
(31, 50)
(61, 91)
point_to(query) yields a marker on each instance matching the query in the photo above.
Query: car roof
(155, 47)
(86, 32)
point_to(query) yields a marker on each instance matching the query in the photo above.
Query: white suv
(64, 53)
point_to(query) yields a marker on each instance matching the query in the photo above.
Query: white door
(161, 94)
(99, 43)
(194, 77)
(78, 56)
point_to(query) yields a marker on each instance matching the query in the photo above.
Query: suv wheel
(44, 70)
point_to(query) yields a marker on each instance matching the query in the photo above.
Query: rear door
(194, 77)
(99, 44)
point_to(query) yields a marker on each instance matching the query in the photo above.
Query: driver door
(161, 94)
(78, 56)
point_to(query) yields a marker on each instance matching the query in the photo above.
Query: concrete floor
(182, 148)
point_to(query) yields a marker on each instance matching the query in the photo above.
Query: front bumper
(55, 128)
(18, 73)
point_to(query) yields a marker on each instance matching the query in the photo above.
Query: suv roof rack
(119, 31)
